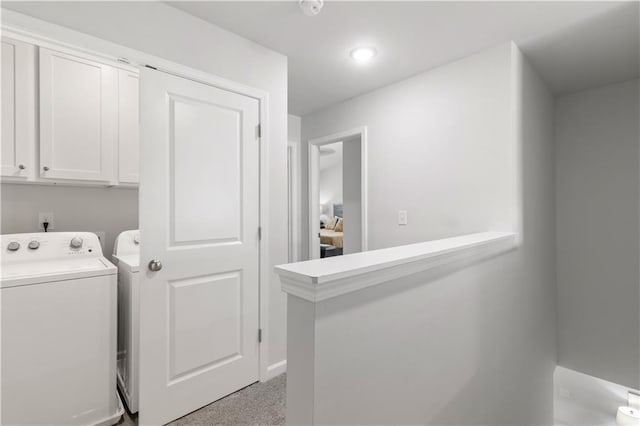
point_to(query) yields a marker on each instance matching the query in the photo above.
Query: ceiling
(573, 45)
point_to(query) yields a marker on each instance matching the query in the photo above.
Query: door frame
(314, 185)
(132, 60)
(293, 186)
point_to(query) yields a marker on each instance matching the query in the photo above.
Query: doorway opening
(337, 194)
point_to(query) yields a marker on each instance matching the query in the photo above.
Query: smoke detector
(311, 7)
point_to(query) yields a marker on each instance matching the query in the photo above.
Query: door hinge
(258, 131)
(260, 233)
(259, 335)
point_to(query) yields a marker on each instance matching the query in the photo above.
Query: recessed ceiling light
(363, 54)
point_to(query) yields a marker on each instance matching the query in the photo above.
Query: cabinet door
(77, 118)
(18, 109)
(128, 128)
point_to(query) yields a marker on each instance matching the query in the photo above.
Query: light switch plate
(45, 217)
(402, 217)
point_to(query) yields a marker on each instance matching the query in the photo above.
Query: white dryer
(126, 255)
(58, 296)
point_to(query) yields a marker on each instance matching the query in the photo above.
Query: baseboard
(276, 369)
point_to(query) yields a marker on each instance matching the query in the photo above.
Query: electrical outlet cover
(45, 217)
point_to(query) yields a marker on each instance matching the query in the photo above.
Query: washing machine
(58, 298)
(126, 255)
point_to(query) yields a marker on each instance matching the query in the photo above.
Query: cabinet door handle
(45, 168)
(21, 166)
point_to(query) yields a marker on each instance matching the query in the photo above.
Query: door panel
(201, 168)
(77, 117)
(199, 212)
(191, 317)
(18, 108)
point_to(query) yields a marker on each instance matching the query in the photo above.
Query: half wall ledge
(322, 279)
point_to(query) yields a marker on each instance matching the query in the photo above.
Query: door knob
(155, 265)
(21, 166)
(45, 168)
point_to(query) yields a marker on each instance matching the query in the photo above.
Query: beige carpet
(258, 404)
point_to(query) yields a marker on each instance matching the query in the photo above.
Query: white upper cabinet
(87, 130)
(128, 127)
(18, 109)
(78, 112)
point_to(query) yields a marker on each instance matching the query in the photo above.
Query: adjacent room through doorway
(337, 221)
(331, 200)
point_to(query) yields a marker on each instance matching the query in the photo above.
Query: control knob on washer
(76, 243)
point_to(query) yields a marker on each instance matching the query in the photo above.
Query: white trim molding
(293, 201)
(322, 279)
(276, 369)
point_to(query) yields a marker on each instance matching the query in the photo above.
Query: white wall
(439, 146)
(474, 346)
(331, 185)
(111, 210)
(294, 124)
(352, 197)
(598, 236)
(158, 29)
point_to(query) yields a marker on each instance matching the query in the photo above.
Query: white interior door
(199, 210)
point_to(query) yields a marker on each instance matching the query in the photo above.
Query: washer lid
(129, 262)
(27, 273)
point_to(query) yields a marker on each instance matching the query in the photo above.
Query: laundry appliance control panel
(50, 245)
